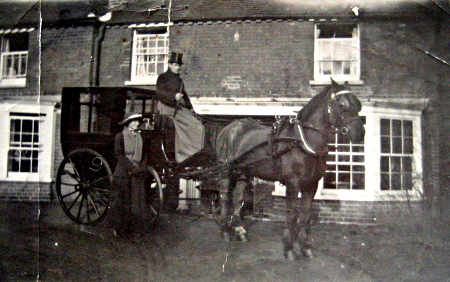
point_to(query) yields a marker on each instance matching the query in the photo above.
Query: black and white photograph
(225, 140)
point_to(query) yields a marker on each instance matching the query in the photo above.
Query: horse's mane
(312, 105)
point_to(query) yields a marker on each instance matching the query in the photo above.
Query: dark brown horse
(294, 152)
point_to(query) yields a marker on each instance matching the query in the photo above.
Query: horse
(294, 153)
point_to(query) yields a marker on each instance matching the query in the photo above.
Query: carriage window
(336, 52)
(396, 164)
(149, 58)
(24, 142)
(14, 57)
(345, 164)
(92, 118)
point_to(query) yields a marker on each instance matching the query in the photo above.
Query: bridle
(344, 121)
(301, 125)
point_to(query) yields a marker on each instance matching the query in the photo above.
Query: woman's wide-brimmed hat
(176, 58)
(129, 117)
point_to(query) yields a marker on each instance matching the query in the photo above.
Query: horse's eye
(342, 105)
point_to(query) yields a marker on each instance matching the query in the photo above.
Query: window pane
(384, 164)
(407, 164)
(385, 145)
(384, 185)
(325, 68)
(325, 49)
(346, 67)
(397, 128)
(337, 67)
(397, 145)
(408, 146)
(385, 125)
(358, 181)
(396, 164)
(358, 159)
(407, 128)
(396, 181)
(407, 181)
(329, 181)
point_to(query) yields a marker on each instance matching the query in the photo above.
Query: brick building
(247, 58)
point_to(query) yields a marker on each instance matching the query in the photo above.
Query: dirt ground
(188, 248)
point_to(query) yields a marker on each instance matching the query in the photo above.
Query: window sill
(13, 83)
(324, 82)
(148, 81)
(26, 177)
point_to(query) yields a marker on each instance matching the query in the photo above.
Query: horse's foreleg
(224, 202)
(290, 241)
(304, 234)
(237, 205)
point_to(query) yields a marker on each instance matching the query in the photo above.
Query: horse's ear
(333, 83)
(346, 85)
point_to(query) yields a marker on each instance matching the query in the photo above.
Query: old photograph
(224, 140)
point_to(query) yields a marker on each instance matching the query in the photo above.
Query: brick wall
(26, 191)
(355, 212)
(66, 58)
(246, 59)
(115, 62)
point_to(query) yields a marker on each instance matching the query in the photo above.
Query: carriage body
(90, 119)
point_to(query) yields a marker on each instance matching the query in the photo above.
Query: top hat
(176, 58)
(129, 117)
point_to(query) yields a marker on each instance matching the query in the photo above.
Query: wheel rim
(83, 186)
(154, 196)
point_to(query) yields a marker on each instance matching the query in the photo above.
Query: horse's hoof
(226, 236)
(291, 255)
(307, 253)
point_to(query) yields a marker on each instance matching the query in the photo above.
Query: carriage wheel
(83, 186)
(154, 195)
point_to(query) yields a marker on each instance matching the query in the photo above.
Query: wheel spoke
(80, 208)
(74, 201)
(71, 193)
(100, 189)
(99, 198)
(93, 204)
(69, 184)
(152, 209)
(74, 169)
(74, 176)
(87, 208)
(100, 179)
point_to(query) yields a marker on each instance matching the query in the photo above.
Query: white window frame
(354, 76)
(136, 77)
(46, 140)
(20, 146)
(372, 157)
(15, 74)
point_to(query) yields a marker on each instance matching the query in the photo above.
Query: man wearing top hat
(175, 103)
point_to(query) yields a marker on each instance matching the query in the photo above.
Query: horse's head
(343, 108)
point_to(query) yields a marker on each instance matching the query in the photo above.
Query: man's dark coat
(167, 86)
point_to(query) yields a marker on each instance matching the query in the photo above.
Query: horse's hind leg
(304, 234)
(237, 206)
(290, 240)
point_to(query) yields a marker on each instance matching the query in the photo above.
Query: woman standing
(128, 209)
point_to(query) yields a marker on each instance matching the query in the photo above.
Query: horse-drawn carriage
(292, 150)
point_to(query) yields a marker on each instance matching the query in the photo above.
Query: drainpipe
(98, 36)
